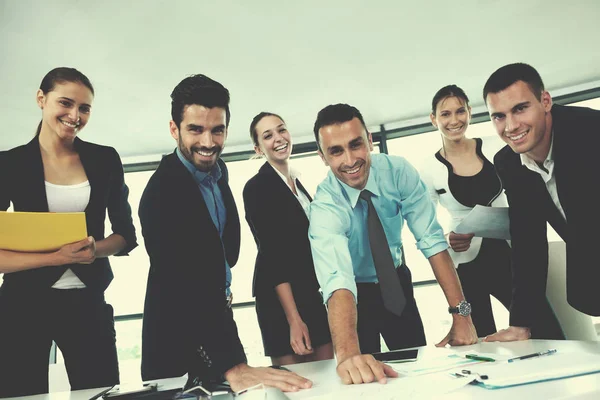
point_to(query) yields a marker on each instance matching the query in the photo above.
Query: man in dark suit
(549, 176)
(191, 230)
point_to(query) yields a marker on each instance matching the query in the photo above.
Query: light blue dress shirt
(338, 223)
(207, 182)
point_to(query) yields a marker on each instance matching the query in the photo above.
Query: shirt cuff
(337, 284)
(431, 250)
(129, 246)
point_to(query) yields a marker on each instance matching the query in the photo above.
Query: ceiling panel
(385, 57)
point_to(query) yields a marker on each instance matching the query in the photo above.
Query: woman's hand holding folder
(81, 252)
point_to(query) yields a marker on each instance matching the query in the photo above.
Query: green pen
(478, 358)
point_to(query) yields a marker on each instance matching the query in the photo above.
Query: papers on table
(40, 231)
(436, 364)
(403, 387)
(486, 222)
(537, 369)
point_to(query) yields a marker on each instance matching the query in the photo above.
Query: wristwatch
(463, 308)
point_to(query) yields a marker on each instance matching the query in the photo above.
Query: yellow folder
(40, 231)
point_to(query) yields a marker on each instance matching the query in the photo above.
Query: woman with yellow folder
(59, 295)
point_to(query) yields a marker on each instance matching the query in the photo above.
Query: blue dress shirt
(207, 182)
(338, 223)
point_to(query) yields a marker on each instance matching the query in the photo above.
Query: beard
(204, 165)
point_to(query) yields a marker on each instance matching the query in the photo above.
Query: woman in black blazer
(60, 295)
(290, 310)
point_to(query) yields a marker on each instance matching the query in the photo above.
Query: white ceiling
(387, 58)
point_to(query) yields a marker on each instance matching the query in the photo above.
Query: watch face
(464, 308)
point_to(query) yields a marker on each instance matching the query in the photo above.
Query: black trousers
(374, 320)
(78, 320)
(489, 274)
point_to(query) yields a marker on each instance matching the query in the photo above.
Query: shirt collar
(200, 176)
(532, 165)
(353, 194)
(294, 174)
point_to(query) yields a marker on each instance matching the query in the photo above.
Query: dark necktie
(389, 282)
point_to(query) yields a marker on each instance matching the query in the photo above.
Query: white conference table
(328, 386)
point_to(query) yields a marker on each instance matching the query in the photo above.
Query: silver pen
(538, 354)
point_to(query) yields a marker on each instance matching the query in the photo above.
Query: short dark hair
(256, 120)
(505, 76)
(62, 75)
(448, 91)
(201, 90)
(335, 114)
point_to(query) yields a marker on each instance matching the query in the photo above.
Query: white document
(413, 388)
(536, 369)
(486, 222)
(434, 364)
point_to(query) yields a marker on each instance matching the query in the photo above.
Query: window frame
(380, 139)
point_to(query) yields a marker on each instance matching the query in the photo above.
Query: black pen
(538, 354)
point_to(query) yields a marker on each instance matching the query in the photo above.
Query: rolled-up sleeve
(419, 212)
(119, 210)
(328, 234)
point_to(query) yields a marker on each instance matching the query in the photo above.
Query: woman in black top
(59, 295)
(291, 314)
(461, 176)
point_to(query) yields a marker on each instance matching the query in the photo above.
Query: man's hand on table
(363, 368)
(462, 332)
(511, 334)
(243, 376)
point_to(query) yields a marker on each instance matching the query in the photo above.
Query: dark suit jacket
(576, 145)
(187, 327)
(280, 229)
(22, 182)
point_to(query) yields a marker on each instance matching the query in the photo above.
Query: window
(243, 272)
(416, 149)
(592, 103)
(127, 291)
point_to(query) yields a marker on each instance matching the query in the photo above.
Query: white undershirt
(548, 177)
(68, 198)
(301, 197)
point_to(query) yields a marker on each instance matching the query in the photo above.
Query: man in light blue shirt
(342, 252)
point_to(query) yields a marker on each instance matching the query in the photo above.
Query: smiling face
(65, 109)
(346, 149)
(452, 117)
(521, 120)
(201, 135)
(274, 140)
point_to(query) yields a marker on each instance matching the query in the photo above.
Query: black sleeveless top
(481, 188)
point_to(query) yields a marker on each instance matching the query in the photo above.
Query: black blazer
(186, 324)
(576, 145)
(22, 182)
(280, 229)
